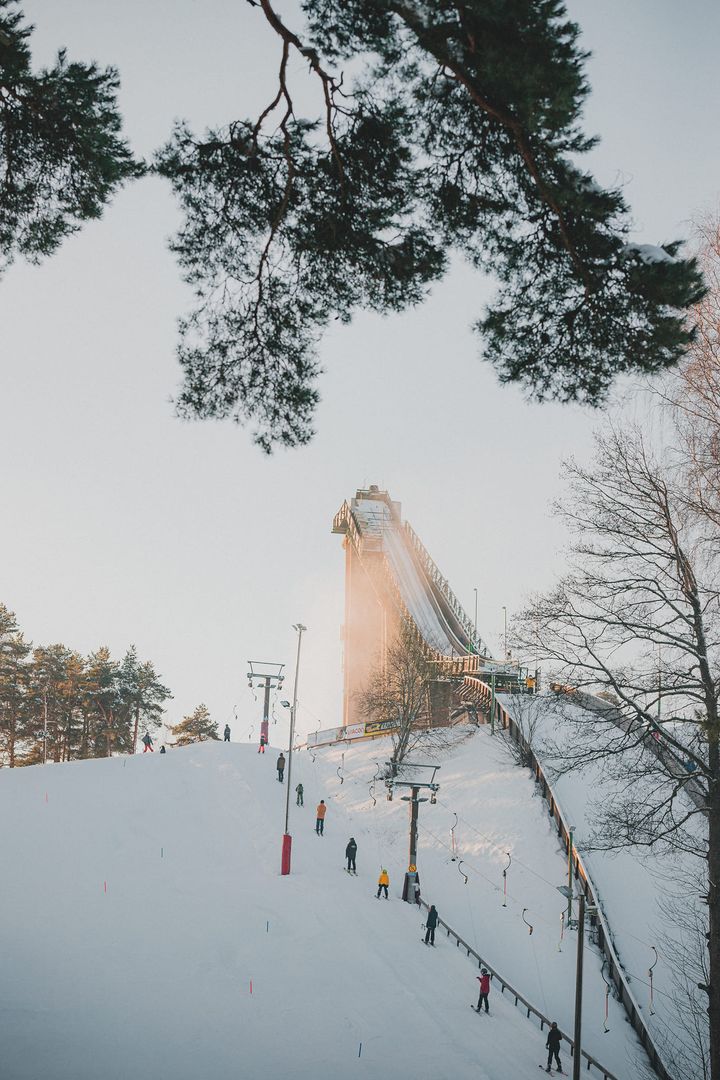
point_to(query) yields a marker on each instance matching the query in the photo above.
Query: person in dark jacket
(148, 743)
(350, 853)
(553, 1046)
(299, 792)
(226, 733)
(280, 766)
(162, 749)
(484, 979)
(431, 922)
(261, 747)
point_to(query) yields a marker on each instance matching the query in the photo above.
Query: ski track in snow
(151, 979)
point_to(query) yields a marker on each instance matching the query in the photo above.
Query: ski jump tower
(390, 579)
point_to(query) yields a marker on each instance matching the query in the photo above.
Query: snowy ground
(142, 897)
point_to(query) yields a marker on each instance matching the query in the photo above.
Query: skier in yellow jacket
(383, 882)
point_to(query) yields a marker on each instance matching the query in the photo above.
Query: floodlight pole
(287, 838)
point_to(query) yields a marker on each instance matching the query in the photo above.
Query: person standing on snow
(299, 793)
(431, 922)
(320, 817)
(261, 747)
(280, 766)
(148, 743)
(226, 733)
(383, 882)
(553, 1046)
(484, 980)
(162, 749)
(350, 853)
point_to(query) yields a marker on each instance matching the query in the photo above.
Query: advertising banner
(380, 727)
(326, 736)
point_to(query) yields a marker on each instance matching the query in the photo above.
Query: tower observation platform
(391, 582)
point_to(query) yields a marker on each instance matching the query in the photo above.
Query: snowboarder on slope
(226, 733)
(261, 747)
(280, 766)
(320, 817)
(299, 793)
(431, 922)
(484, 980)
(350, 853)
(148, 743)
(383, 882)
(553, 1046)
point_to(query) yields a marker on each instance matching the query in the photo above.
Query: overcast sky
(122, 524)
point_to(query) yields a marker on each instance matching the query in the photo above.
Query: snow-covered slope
(142, 897)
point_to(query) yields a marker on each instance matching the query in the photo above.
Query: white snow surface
(142, 895)
(375, 519)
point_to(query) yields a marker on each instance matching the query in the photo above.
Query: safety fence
(519, 1001)
(432, 571)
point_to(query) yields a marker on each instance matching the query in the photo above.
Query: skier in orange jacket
(383, 882)
(320, 817)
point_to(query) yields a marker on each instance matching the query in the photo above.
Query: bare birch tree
(638, 617)
(398, 691)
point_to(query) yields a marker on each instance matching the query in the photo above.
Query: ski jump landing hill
(391, 580)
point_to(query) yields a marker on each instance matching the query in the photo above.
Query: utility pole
(570, 876)
(287, 838)
(475, 591)
(505, 629)
(492, 704)
(567, 891)
(578, 988)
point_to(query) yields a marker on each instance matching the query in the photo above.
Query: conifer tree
(55, 691)
(461, 133)
(197, 727)
(105, 723)
(13, 686)
(142, 693)
(61, 154)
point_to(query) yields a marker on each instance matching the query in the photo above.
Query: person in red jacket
(484, 980)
